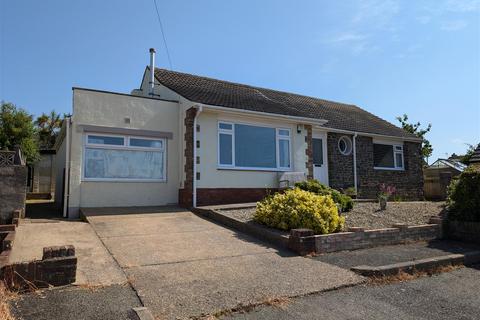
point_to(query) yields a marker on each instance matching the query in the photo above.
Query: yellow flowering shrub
(297, 208)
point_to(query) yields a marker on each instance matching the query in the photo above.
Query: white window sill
(125, 180)
(389, 169)
(254, 169)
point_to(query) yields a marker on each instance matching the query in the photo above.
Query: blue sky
(389, 57)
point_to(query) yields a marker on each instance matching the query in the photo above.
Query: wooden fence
(436, 183)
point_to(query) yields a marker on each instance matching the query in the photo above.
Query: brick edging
(58, 267)
(303, 241)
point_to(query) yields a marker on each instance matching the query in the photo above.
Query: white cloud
(462, 5)
(410, 52)
(356, 43)
(377, 12)
(453, 25)
(349, 37)
(459, 141)
(424, 19)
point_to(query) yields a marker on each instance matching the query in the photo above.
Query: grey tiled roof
(240, 96)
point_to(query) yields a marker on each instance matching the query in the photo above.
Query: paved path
(95, 265)
(386, 255)
(182, 265)
(452, 295)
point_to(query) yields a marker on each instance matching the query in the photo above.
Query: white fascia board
(294, 119)
(372, 135)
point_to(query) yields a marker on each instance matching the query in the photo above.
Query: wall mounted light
(299, 128)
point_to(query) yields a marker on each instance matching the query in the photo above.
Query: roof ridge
(256, 87)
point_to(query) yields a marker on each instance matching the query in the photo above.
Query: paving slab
(208, 286)
(95, 265)
(182, 265)
(452, 295)
(107, 303)
(387, 255)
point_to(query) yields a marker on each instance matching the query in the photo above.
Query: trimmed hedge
(296, 208)
(463, 199)
(312, 185)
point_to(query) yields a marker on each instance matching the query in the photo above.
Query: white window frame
(230, 132)
(348, 145)
(125, 146)
(394, 145)
(278, 137)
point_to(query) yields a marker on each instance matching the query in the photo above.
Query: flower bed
(367, 214)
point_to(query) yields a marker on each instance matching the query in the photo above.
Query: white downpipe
(194, 196)
(66, 194)
(355, 161)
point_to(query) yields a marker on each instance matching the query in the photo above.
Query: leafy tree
(414, 128)
(48, 127)
(471, 149)
(16, 128)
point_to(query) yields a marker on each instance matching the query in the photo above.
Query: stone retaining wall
(13, 181)
(58, 267)
(7, 235)
(463, 230)
(303, 241)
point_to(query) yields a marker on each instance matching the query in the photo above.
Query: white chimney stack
(152, 71)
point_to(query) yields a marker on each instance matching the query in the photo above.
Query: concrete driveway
(96, 267)
(182, 265)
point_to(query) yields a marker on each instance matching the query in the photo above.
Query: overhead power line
(163, 34)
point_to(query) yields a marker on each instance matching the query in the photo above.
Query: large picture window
(123, 158)
(246, 146)
(388, 156)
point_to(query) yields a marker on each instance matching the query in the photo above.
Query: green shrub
(350, 191)
(312, 185)
(297, 208)
(463, 199)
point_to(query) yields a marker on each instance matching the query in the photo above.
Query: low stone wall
(304, 242)
(7, 235)
(13, 180)
(58, 267)
(463, 230)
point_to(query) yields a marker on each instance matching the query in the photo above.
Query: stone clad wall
(408, 182)
(13, 180)
(340, 167)
(185, 195)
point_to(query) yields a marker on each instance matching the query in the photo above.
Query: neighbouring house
(41, 176)
(191, 140)
(475, 159)
(438, 175)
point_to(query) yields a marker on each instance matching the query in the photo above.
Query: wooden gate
(435, 184)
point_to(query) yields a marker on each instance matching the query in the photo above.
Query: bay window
(388, 156)
(246, 146)
(123, 158)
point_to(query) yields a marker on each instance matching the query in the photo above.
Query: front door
(320, 164)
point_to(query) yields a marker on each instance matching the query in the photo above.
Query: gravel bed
(369, 216)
